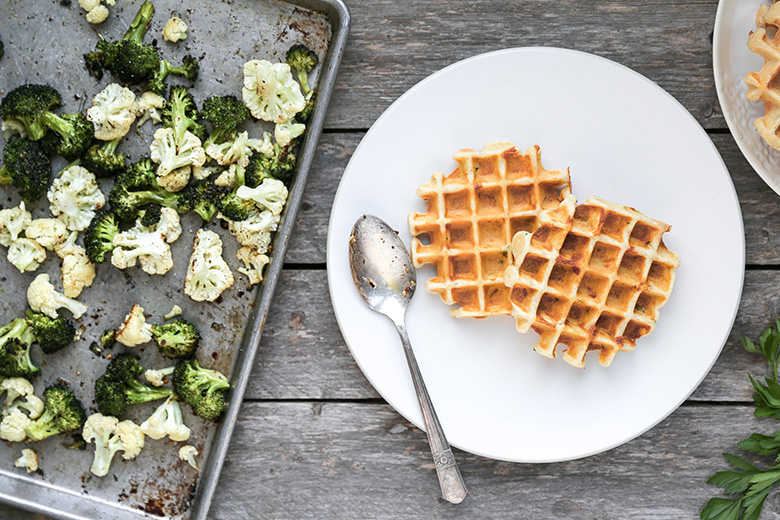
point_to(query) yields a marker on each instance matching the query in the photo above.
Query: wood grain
(393, 47)
(351, 461)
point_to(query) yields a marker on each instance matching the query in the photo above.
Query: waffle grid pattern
(471, 217)
(592, 277)
(763, 85)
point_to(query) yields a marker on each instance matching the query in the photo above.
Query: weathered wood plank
(352, 461)
(393, 47)
(303, 356)
(760, 205)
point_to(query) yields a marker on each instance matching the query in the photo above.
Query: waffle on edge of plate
(454, 206)
(471, 217)
(763, 85)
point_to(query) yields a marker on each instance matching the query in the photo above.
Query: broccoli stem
(43, 427)
(58, 124)
(303, 77)
(140, 24)
(137, 392)
(5, 175)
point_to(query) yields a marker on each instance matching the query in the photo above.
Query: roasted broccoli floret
(202, 388)
(203, 198)
(136, 187)
(176, 339)
(120, 387)
(303, 60)
(62, 413)
(134, 62)
(15, 341)
(226, 114)
(280, 165)
(74, 133)
(99, 236)
(29, 104)
(53, 334)
(103, 159)
(181, 114)
(27, 167)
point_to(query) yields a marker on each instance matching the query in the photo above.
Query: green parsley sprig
(750, 484)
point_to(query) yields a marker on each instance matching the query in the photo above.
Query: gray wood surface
(315, 441)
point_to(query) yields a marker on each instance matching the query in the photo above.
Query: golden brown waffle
(471, 218)
(592, 277)
(762, 85)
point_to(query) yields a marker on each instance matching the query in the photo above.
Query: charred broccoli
(134, 62)
(119, 387)
(15, 342)
(303, 60)
(203, 198)
(176, 339)
(280, 165)
(27, 167)
(203, 389)
(53, 334)
(226, 114)
(28, 104)
(103, 159)
(62, 412)
(99, 236)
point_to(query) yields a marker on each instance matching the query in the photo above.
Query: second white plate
(625, 140)
(731, 61)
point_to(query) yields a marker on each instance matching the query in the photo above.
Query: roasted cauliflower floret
(148, 106)
(255, 231)
(96, 11)
(26, 255)
(270, 92)
(77, 269)
(148, 245)
(188, 453)
(208, 275)
(13, 221)
(271, 194)
(171, 155)
(28, 460)
(48, 232)
(74, 197)
(284, 133)
(240, 149)
(111, 436)
(167, 420)
(134, 330)
(175, 29)
(113, 112)
(43, 298)
(253, 264)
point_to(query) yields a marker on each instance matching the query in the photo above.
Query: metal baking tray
(44, 42)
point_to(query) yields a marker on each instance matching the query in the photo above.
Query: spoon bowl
(381, 266)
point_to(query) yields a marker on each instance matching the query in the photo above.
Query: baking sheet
(44, 42)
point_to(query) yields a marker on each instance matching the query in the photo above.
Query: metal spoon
(385, 278)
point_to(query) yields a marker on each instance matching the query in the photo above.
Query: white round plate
(625, 140)
(731, 61)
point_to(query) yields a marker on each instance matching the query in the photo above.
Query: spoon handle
(452, 486)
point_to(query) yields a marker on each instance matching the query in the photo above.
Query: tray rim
(14, 489)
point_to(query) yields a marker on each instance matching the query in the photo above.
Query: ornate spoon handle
(452, 486)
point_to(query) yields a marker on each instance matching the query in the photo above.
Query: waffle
(471, 218)
(592, 277)
(762, 85)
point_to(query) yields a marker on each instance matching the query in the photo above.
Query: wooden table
(315, 441)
